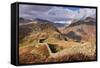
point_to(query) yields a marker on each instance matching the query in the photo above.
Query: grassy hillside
(43, 42)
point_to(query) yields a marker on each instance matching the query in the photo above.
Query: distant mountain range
(80, 27)
(23, 20)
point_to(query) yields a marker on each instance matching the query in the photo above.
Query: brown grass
(71, 57)
(33, 54)
(40, 53)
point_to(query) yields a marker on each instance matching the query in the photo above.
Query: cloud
(26, 10)
(54, 13)
(87, 12)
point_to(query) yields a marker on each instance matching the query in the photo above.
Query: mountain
(59, 24)
(39, 21)
(39, 29)
(87, 21)
(82, 30)
(23, 20)
(90, 19)
(43, 42)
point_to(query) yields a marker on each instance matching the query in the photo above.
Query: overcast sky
(54, 13)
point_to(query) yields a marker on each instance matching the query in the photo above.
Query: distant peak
(41, 20)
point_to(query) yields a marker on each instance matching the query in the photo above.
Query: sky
(54, 13)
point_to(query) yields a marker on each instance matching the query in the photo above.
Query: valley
(41, 41)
